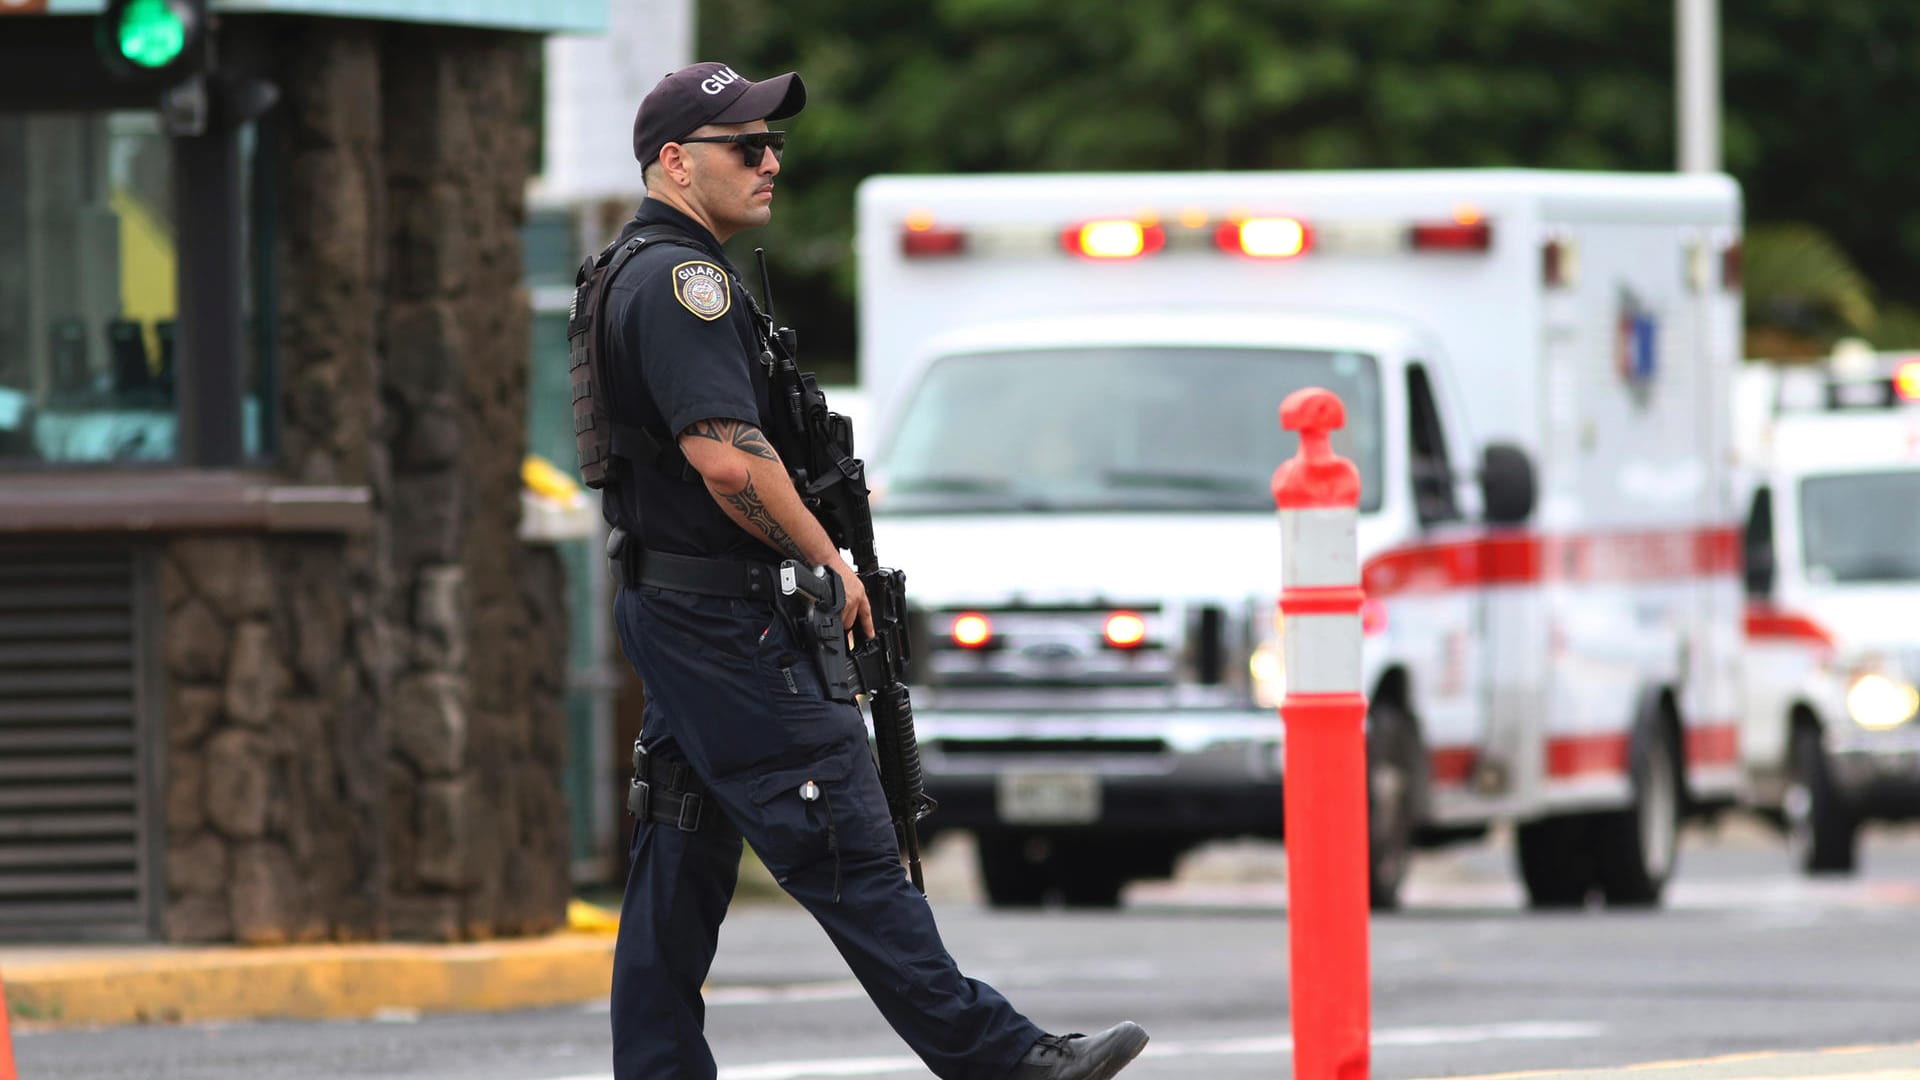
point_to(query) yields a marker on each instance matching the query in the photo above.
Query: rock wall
(456, 332)
(367, 731)
(275, 747)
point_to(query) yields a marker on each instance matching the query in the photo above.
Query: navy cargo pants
(731, 692)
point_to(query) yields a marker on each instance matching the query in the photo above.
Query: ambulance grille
(1042, 747)
(1059, 648)
(72, 858)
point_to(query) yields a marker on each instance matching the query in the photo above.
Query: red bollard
(6, 1040)
(1325, 711)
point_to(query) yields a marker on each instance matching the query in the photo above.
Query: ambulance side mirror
(1758, 570)
(1506, 484)
(1757, 546)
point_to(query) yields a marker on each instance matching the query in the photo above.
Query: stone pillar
(366, 732)
(475, 822)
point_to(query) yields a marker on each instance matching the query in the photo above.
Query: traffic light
(160, 42)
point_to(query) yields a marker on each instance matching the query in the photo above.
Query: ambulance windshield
(1861, 527)
(1138, 428)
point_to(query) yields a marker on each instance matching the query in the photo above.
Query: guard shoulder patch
(701, 287)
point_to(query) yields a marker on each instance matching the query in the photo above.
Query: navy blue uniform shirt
(681, 347)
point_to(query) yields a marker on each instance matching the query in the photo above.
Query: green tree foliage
(1802, 292)
(1818, 132)
(904, 86)
(1898, 327)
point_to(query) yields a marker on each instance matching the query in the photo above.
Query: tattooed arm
(745, 476)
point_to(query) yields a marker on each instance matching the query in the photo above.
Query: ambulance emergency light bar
(1122, 239)
(1816, 389)
(1906, 380)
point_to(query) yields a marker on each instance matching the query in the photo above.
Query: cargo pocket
(797, 827)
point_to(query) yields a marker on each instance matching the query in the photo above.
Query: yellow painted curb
(585, 918)
(310, 982)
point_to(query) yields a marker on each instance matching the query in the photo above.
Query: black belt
(734, 578)
(665, 791)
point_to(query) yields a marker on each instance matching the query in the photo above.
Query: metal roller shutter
(73, 857)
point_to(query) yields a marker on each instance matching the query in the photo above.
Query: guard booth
(278, 661)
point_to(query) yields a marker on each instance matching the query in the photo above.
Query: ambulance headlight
(1267, 666)
(1877, 701)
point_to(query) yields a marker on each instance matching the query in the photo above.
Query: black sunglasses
(752, 144)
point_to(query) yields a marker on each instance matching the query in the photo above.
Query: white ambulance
(1075, 382)
(1832, 475)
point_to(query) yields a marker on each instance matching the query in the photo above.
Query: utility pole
(1697, 83)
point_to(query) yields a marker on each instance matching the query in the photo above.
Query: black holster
(623, 558)
(812, 599)
(665, 791)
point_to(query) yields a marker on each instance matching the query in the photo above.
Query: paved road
(1747, 957)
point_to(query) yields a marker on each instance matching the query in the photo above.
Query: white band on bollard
(1319, 548)
(1323, 654)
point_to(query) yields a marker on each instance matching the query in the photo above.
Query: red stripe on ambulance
(1531, 559)
(1770, 624)
(1713, 744)
(1587, 755)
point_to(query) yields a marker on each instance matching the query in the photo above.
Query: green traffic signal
(151, 34)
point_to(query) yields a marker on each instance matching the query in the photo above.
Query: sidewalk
(80, 986)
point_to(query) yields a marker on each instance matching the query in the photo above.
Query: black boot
(1082, 1057)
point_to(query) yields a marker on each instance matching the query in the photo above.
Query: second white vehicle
(1832, 720)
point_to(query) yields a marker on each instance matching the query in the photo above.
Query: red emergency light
(1113, 238)
(972, 630)
(1906, 380)
(1263, 238)
(920, 239)
(1451, 236)
(1556, 263)
(1126, 630)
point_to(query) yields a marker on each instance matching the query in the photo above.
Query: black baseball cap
(709, 93)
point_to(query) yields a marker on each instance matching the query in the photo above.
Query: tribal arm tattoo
(741, 436)
(746, 502)
(771, 512)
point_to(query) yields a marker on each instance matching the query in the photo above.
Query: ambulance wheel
(1819, 824)
(1556, 861)
(1013, 871)
(1396, 781)
(1638, 847)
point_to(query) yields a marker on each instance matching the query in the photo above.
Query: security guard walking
(740, 739)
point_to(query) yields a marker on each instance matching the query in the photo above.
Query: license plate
(1036, 798)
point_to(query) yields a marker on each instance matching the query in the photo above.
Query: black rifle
(833, 486)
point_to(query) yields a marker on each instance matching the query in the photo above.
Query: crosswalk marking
(1524, 1031)
(791, 994)
(1785, 899)
(784, 995)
